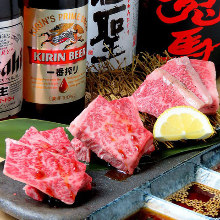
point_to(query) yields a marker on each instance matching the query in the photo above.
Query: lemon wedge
(182, 122)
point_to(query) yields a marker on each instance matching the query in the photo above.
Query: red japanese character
(190, 44)
(184, 7)
(199, 15)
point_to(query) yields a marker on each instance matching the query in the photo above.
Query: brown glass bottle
(54, 59)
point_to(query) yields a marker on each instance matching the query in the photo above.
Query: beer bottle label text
(112, 31)
(11, 67)
(55, 55)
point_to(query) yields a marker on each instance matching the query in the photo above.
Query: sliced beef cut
(56, 141)
(51, 173)
(182, 69)
(59, 144)
(34, 193)
(161, 91)
(207, 73)
(108, 132)
(128, 106)
(58, 137)
(82, 152)
(86, 185)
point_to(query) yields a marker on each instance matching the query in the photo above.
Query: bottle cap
(55, 4)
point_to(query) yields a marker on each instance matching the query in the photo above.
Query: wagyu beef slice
(182, 69)
(82, 152)
(34, 193)
(109, 133)
(161, 91)
(48, 172)
(54, 140)
(207, 73)
(59, 138)
(128, 106)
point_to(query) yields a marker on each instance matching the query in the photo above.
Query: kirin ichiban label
(55, 55)
(112, 31)
(11, 68)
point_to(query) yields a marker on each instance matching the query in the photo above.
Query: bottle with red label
(55, 34)
(11, 55)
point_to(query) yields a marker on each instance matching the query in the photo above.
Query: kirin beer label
(55, 55)
(11, 67)
(112, 31)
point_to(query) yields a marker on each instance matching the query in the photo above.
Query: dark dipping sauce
(117, 175)
(198, 198)
(216, 168)
(146, 213)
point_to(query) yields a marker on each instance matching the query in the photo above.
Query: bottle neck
(10, 9)
(55, 4)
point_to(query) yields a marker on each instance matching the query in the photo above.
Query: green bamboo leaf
(15, 129)
(180, 147)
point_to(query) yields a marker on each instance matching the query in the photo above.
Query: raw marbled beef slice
(58, 137)
(207, 73)
(161, 91)
(54, 140)
(109, 133)
(34, 193)
(182, 69)
(82, 152)
(50, 173)
(59, 144)
(128, 106)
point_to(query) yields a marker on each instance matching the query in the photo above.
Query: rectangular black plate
(14, 201)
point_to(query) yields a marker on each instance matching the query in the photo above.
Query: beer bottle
(11, 68)
(55, 34)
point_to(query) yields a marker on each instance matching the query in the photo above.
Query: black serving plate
(105, 190)
(153, 193)
(14, 201)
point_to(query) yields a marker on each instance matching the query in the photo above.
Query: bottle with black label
(11, 67)
(112, 32)
(55, 34)
(181, 28)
